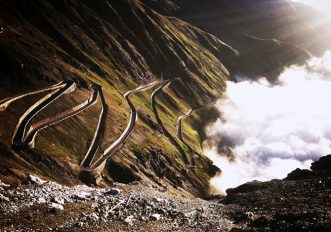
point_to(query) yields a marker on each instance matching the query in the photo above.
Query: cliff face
(119, 45)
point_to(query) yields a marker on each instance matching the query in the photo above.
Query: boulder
(323, 164)
(56, 207)
(300, 174)
(113, 191)
(129, 220)
(35, 180)
(155, 217)
(4, 198)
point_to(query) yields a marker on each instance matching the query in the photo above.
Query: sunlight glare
(322, 5)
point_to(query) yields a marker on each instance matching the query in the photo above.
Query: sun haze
(322, 5)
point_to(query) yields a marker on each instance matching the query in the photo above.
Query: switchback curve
(20, 129)
(99, 132)
(159, 121)
(38, 126)
(7, 101)
(119, 143)
(194, 154)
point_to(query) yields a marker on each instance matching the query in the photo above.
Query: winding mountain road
(194, 154)
(7, 101)
(22, 137)
(119, 143)
(20, 129)
(38, 126)
(99, 132)
(159, 121)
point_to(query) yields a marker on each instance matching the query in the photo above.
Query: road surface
(38, 126)
(119, 143)
(20, 129)
(159, 121)
(7, 101)
(99, 132)
(193, 154)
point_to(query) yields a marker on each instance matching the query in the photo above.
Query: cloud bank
(266, 131)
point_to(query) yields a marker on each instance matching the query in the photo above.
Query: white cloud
(271, 130)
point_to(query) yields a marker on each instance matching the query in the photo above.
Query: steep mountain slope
(118, 45)
(121, 44)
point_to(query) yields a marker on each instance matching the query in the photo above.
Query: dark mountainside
(120, 45)
(268, 34)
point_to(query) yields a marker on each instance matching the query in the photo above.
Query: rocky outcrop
(277, 205)
(300, 202)
(319, 169)
(323, 164)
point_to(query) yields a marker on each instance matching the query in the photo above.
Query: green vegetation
(98, 43)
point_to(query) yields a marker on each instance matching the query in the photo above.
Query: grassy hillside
(121, 44)
(118, 45)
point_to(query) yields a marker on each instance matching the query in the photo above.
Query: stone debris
(4, 198)
(58, 200)
(41, 200)
(129, 220)
(131, 207)
(82, 196)
(4, 185)
(113, 191)
(35, 180)
(155, 217)
(104, 205)
(55, 207)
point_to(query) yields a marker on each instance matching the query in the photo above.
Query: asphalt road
(38, 126)
(7, 101)
(20, 129)
(193, 154)
(119, 143)
(99, 132)
(159, 121)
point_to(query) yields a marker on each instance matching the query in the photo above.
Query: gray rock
(155, 217)
(94, 217)
(129, 220)
(82, 196)
(4, 185)
(4, 198)
(79, 224)
(35, 180)
(113, 191)
(56, 207)
(41, 200)
(135, 183)
(58, 200)
(156, 199)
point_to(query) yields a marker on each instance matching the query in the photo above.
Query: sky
(323, 5)
(266, 131)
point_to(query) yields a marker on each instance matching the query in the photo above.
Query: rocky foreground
(301, 202)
